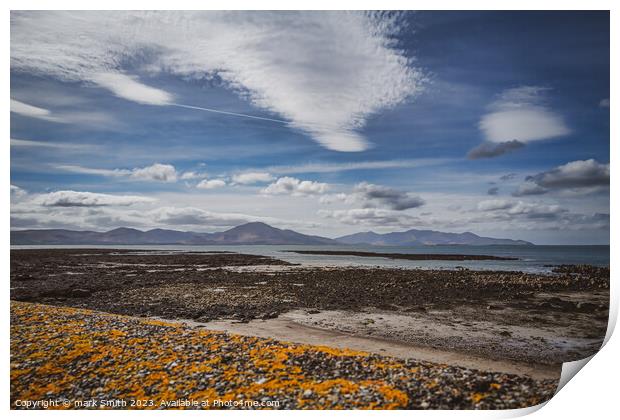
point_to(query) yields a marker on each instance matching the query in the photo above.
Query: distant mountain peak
(123, 231)
(254, 224)
(413, 237)
(253, 233)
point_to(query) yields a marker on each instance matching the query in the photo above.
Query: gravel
(76, 355)
(200, 287)
(572, 302)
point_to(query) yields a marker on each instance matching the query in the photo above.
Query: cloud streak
(156, 172)
(128, 87)
(52, 145)
(327, 167)
(97, 119)
(27, 110)
(276, 60)
(88, 199)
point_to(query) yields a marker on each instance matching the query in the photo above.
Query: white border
(592, 394)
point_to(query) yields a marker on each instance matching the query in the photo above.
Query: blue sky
(323, 122)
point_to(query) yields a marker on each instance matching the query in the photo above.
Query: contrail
(236, 114)
(256, 117)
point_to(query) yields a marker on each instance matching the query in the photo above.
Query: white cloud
(188, 175)
(522, 125)
(604, 103)
(446, 212)
(29, 110)
(334, 198)
(156, 172)
(99, 119)
(208, 184)
(521, 114)
(489, 205)
(371, 217)
(96, 211)
(277, 60)
(93, 171)
(17, 192)
(536, 210)
(88, 210)
(127, 87)
(188, 216)
(296, 187)
(252, 177)
(510, 209)
(87, 199)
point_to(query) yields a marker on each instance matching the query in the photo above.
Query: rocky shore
(74, 358)
(413, 257)
(106, 331)
(529, 318)
(502, 315)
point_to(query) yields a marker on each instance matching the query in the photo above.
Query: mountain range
(424, 237)
(255, 233)
(248, 234)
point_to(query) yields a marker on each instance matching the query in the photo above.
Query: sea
(530, 258)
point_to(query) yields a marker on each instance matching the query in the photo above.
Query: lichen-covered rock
(74, 355)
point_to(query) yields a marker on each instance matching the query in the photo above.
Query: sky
(327, 123)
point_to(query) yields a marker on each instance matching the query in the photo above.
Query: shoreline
(286, 328)
(69, 354)
(510, 317)
(412, 257)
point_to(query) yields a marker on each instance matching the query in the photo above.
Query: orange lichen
(56, 350)
(476, 397)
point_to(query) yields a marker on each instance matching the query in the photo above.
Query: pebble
(80, 354)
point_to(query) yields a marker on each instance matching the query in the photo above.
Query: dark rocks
(206, 287)
(170, 285)
(416, 309)
(269, 315)
(587, 307)
(415, 257)
(77, 293)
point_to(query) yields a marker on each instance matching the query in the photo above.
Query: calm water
(534, 258)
